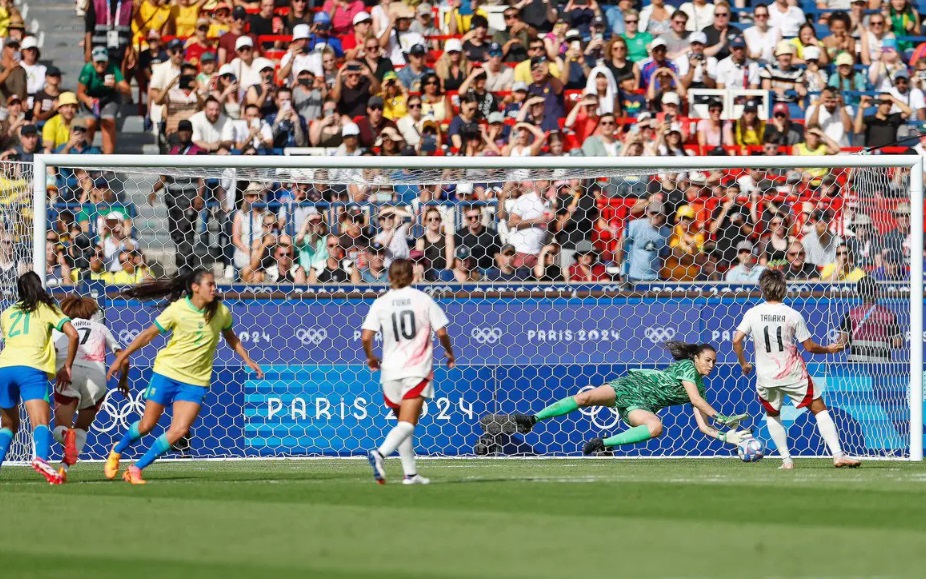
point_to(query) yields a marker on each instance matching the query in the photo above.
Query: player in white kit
(776, 330)
(87, 389)
(406, 317)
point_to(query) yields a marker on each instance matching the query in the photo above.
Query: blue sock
(43, 438)
(6, 439)
(130, 437)
(159, 447)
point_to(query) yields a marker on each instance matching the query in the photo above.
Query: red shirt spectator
(342, 14)
(585, 270)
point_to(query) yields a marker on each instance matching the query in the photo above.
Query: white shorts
(395, 391)
(88, 386)
(801, 395)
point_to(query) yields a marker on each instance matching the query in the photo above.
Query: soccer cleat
(111, 468)
(846, 462)
(133, 476)
(379, 469)
(43, 468)
(593, 446)
(63, 473)
(416, 479)
(70, 447)
(507, 423)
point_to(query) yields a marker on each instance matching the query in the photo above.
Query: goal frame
(915, 163)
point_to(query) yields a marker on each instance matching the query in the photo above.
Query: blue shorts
(23, 383)
(165, 391)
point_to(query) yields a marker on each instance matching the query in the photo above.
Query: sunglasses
(842, 253)
(630, 21)
(876, 22)
(510, 16)
(414, 105)
(795, 253)
(761, 15)
(285, 254)
(430, 82)
(373, 48)
(721, 14)
(432, 219)
(472, 217)
(606, 123)
(375, 107)
(244, 49)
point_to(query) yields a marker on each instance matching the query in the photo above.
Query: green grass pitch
(478, 519)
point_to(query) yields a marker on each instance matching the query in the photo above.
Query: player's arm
(366, 338)
(142, 340)
(739, 346)
(815, 348)
(444, 338)
(63, 378)
(235, 344)
(733, 437)
(698, 401)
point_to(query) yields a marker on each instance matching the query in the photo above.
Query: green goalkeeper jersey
(655, 389)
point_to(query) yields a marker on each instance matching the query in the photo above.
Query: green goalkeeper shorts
(627, 397)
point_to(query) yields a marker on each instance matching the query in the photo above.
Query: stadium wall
(515, 355)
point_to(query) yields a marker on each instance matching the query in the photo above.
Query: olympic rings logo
(657, 334)
(114, 416)
(611, 416)
(311, 336)
(486, 335)
(127, 336)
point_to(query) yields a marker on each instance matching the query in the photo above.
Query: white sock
(58, 433)
(407, 455)
(399, 432)
(81, 436)
(779, 436)
(827, 429)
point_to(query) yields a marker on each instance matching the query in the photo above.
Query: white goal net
(557, 274)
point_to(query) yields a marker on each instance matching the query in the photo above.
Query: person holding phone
(98, 86)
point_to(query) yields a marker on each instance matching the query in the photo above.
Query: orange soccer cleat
(111, 468)
(70, 447)
(133, 476)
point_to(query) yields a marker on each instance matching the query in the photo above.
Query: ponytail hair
(31, 293)
(173, 288)
(684, 351)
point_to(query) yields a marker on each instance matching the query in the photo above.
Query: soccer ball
(751, 450)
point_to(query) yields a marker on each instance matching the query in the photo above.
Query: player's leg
(644, 425)
(39, 412)
(409, 411)
(9, 426)
(184, 414)
(771, 400)
(159, 394)
(523, 423)
(827, 429)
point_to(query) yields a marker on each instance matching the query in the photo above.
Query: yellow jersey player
(26, 363)
(195, 318)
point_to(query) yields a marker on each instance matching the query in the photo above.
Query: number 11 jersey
(406, 317)
(776, 330)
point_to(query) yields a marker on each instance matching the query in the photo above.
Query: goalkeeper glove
(734, 437)
(730, 421)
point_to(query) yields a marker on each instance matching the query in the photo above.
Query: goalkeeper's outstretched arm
(732, 437)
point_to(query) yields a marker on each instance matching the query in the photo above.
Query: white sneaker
(416, 479)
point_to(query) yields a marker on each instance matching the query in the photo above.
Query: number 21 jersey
(406, 317)
(776, 330)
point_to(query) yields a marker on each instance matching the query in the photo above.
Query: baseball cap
(495, 49)
(112, 216)
(844, 59)
(390, 75)
(206, 57)
(751, 105)
(239, 12)
(260, 64)
(781, 108)
(657, 43)
(100, 54)
(321, 18)
(425, 8)
(226, 69)
(175, 44)
(28, 130)
(244, 41)
(417, 49)
(362, 17)
(375, 101)
(698, 37)
(902, 73)
(453, 45)
(744, 245)
(53, 71)
(573, 34)
(813, 53)
(671, 98)
(465, 188)
(13, 98)
(202, 22)
(185, 125)
(301, 32)
(519, 85)
(889, 44)
(736, 41)
(29, 42)
(538, 60)
(350, 129)
(496, 117)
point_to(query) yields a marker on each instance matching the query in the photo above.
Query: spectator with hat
(263, 93)
(503, 270)
(783, 78)
(424, 22)
(695, 68)
(199, 42)
(228, 42)
(747, 270)
(99, 87)
(913, 97)
(43, 107)
(161, 76)
(353, 44)
(56, 131)
(12, 76)
(846, 78)
(749, 129)
(644, 246)
(414, 71)
(373, 122)
(376, 271)
(35, 71)
(246, 66)
(322, 37)
(27, 145)
(398, 37)
(881, 128)
(453, 67)
(782, 130)
(659, 61)
(586, 268)
(499, 77)
(899, 238)
(737, 71)
(15, 118)
(353, 88)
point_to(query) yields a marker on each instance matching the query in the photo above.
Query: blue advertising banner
(515, 355)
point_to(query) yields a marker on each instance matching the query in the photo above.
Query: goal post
(522, 343)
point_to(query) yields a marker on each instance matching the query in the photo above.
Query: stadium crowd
(474, 78)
